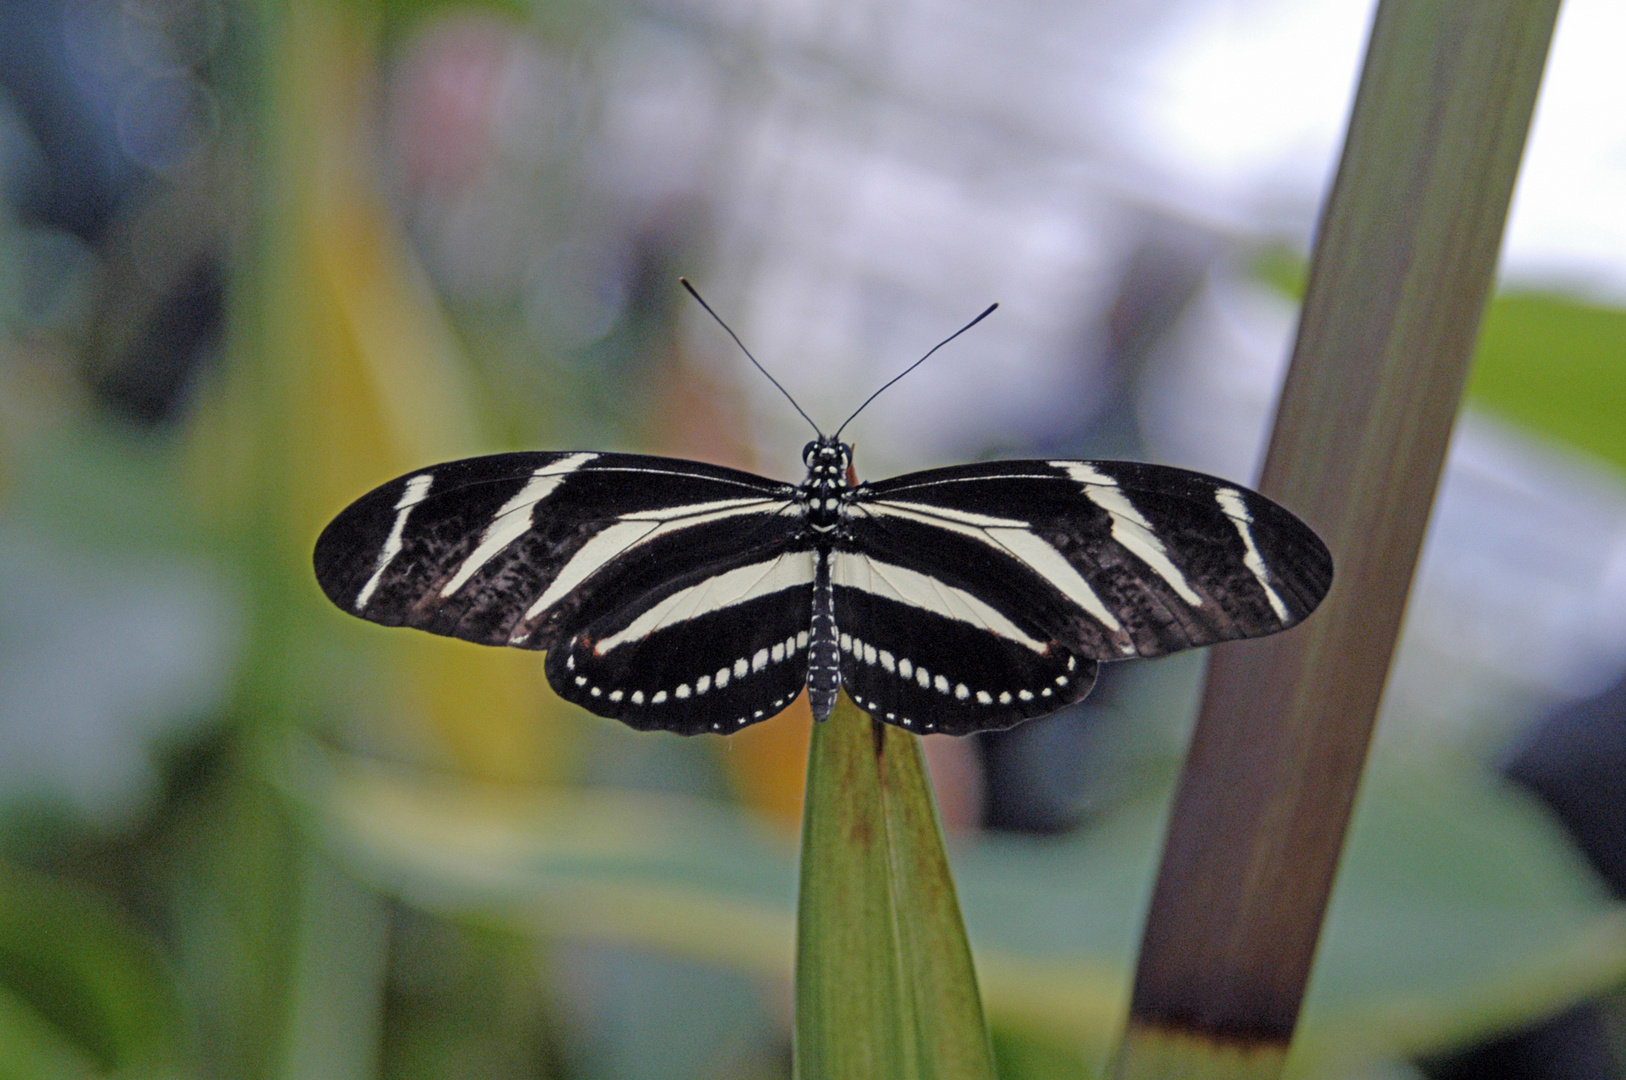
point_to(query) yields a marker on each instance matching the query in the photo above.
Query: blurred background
(256, 258)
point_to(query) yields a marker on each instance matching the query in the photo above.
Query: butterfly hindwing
(706, 651)
(921, 650)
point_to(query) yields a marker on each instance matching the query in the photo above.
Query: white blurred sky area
(1244, 103)
(870, 175)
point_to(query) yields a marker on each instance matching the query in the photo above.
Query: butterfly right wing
(1118, 559)
(568, 551)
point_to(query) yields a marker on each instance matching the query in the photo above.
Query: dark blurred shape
(147, 380)
(116, 95)
(1158, 283)
(1052, 775)
(1033, 774)
(466, 1000)
(1571, 1046)
(1037, 776)
(1575, 762)
(70, 110)
(164, 123)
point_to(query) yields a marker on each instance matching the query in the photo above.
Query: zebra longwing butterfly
(693, 598)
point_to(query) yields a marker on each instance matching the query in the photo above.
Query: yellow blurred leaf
(353, 376)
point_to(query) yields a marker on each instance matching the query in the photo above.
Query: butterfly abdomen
(823, 650)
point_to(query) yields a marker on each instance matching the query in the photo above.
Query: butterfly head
(827, 459)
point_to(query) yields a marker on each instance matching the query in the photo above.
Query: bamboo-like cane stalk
(1401, 270)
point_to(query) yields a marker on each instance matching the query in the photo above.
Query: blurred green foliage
(1556, 365)
(1551, 363)
(82, 990)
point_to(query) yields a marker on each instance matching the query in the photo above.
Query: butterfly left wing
(645, 578)
(1007, 581)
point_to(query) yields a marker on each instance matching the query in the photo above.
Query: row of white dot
(905, 668)
(740, 668)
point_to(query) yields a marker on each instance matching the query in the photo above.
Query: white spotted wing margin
(633, 572)
(981, 595)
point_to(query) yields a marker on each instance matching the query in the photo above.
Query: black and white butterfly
(693, 598)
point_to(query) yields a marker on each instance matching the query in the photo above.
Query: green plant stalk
(1398, 282)
(81, 990)
(335, 1013)
(885, 986)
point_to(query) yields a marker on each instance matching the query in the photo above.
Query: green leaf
(33, 1048)
(1543, 361)
(1553, 364)
(78, 983)
(884, 980)
(1461, 910)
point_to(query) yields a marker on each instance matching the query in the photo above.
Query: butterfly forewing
(511, 549)
(1118, 559)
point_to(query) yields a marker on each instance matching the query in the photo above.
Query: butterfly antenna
(685, 283)
(989, 311)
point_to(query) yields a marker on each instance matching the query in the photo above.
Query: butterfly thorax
(825, 490)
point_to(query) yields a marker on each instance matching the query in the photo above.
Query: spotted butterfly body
(693, 598)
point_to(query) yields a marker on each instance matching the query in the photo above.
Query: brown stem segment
(1401, 271)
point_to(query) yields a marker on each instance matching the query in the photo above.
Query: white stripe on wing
(417, 489)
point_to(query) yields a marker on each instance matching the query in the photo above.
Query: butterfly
(694, 598)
